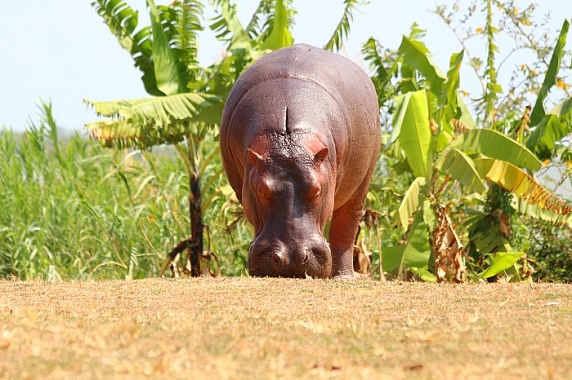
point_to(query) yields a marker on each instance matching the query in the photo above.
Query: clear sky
(61, 51)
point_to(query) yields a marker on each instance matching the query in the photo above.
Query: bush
(550, 252)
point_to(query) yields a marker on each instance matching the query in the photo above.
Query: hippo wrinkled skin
(300, 136)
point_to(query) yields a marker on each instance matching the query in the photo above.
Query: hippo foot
(344, 277)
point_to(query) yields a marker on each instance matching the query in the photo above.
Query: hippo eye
(314, 191)
(263, 190)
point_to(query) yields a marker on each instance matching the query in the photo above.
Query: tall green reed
(71, 209)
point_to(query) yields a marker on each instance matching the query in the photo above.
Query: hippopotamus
(300, 136)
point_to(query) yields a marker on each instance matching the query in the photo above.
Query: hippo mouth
(272, 259)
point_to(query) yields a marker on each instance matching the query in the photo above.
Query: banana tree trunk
(195, 248)
(447, 249)
(194, 245)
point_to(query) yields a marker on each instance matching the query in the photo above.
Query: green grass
(70, 209)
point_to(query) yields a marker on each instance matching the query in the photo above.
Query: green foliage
(73, 210)
(417, 251)
(417, 56)
(147, 121)
(461, 168)
(383, 65)
(496, 145)
(525, 32)
(447, 156)
(342, 30)
(279, 34)
(546, 139)
(167, 53)
(493, 88)
(414, 133)
(122, 21)
(540, 80)
(550, 79)
(446, 188)
(500, 262)
(550, 252)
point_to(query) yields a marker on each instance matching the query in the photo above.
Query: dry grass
(274, 328)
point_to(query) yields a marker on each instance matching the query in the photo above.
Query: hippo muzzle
(308, 256)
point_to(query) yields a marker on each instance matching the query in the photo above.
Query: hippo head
(288, 198)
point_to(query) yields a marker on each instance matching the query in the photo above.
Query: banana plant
(542, 132)
(454, 164)
(549, 128)
(187, 99)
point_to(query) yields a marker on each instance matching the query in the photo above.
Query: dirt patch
(248, 328)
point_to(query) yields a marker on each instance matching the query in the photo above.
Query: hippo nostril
(306, 258)
(278, 259)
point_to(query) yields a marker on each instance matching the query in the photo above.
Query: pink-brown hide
(300, 136)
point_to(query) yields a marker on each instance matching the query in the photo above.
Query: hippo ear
(321, 156)
(252, 157)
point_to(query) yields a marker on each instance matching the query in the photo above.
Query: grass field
(244, 328)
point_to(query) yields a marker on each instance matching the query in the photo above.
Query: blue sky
(61, 51)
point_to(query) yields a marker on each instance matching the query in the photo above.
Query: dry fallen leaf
(4, 342)
(414, 367)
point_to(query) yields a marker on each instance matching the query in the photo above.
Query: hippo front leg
(344, 228)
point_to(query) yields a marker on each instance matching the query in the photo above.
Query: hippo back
(344, 81)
